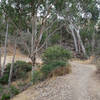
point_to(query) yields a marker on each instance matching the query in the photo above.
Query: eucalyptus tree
(77, 14)
(31, 17)
(3, 30)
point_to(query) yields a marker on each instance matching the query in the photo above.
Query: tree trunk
(81, 43)
(12, 64)
(74, 37)
(0, 61)
(33, 59)
(93, 42)
(34, 32)
(34, 42)
(5, 50)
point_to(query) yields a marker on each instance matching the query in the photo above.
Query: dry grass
(98, 66)
(61, 71)
(91, 60)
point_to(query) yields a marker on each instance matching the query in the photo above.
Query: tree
(12, 64)
(23, 16)
(5, 50)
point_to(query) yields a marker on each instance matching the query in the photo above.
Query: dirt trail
(20, 58)
(81, 84)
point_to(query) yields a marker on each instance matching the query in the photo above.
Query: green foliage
(1, 39)
(4, 79)
(89, 49)
(19, 71)
(37, 76)
(59, 4)
(43, 38)
(56, 53)
(5, 97)
(54, 58)
(14, 90)
(1, 88)
(87, 31)
(23, 65)
(8, 92)
(48, 68)
(55, 38)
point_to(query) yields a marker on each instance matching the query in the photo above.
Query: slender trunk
(0, 61)
(34, 42)
(33, 59)
(93, 42)
(75, 40)
(81, 43)
(12, 64)
(5, 50)
(34, 32)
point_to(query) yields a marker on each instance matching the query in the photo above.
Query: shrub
(4, 79)
(19, 71)
(55, 62)
(5, 97)
(14, 90)
(48, 68)
(56, 53)
(37, 76)
(60, 71)
(22, 66)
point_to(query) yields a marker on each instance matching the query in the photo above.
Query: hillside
(81, 84)
(49, 50)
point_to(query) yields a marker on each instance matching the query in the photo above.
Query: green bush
(56, 53)
(37, 76)
(14, 90)
(48, 68)
(19, 71)
(4, 79)
(5, 97)
(55, 60)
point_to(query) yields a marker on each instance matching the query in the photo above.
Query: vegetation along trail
(81, 84)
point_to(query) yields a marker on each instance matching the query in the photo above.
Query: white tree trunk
(0, 61)
(77, 29)
(12, 65)
(74, 37)
(5, 50)
(81, 43)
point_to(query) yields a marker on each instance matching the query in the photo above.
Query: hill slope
(81, 84)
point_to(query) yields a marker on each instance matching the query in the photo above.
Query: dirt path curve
(81, 84)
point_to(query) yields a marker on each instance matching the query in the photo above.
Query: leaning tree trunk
(74, 37)
(81, 43)
(5, 50)
(12, 65)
